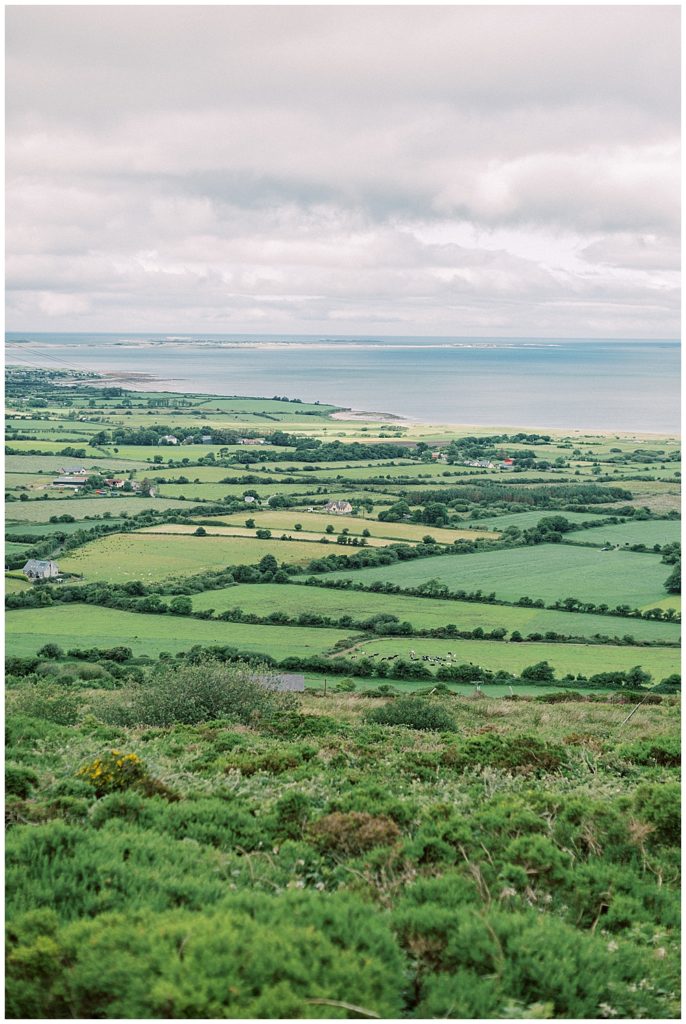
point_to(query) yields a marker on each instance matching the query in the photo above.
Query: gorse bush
(415, 713)
(116, 771)
(263, 957)
(201, 692)
(511, 753)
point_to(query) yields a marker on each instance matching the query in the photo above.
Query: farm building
(73, 471)
(285, 682)
(339, 508)
(251, 440)
(169, 439)
(206, 439)
(38, 569)
(69, 481)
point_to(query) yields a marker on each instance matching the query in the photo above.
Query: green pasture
(51, 465)
(47, 447)
(648, 532)
(587, 659)
(426, 613)
(217, 492)
(525, 520)
(316, 682)
(80, 508)
(16, 584)
(28, 481)
(27, 630)
(183, 529)
(13, 549)
(318, 521)
(546, 571)
(43, 530)
(151, 557)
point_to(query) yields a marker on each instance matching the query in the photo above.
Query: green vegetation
(544, 572)
(471, 812)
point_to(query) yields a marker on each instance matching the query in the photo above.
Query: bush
(254, 957)
(47, 701)
(201, 692)
(414, 713)
(115, 771)
(51, 651)
(660, 806)
(511, 753)
(19, 781)
(353, 833)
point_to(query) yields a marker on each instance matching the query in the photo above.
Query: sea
(575, 384)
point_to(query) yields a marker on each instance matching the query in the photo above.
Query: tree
(673, 581)
(201, 532)
(50, 651)
(250, 523)
(541, 672)
(181, 606)
(263, 534)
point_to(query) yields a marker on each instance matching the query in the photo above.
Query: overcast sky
(388, 170)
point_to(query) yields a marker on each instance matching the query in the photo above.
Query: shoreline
(143, 381)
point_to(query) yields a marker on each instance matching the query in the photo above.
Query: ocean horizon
(553, 383)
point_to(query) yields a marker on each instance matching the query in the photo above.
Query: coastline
(142, 381)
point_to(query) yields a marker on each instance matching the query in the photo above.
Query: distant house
(248, 499)
(251, 440)
(168, 439)
(338, 508)
(287, 682)
(206, 439)
(75, 482)
(507, 464)
(37, 569)
(114, 482)
(73, 471)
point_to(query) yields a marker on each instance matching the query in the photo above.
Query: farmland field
(28, 630)
(181, 529)
(145, 556)
(546, 571)
(426, 613)
(586, 659)
(661, 531)
(80, 508)
(279, 520)
(525, 520)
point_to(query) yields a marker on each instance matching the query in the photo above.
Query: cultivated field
(547, 572)
(152, 557)
(426, 613)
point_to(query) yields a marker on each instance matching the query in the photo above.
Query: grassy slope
(28, 629)
(586, 659)
(665, 531)
(149, 556)
(425, 613)
(547, 571)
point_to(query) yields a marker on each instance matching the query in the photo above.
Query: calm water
(621, 385)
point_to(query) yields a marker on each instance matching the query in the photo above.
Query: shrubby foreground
(253, 854)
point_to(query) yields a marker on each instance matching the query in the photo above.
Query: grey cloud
(180, 167)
